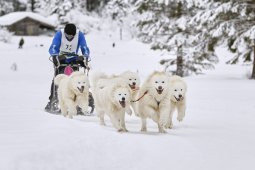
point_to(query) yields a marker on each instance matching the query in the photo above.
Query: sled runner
(61, 67)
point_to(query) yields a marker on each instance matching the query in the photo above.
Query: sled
(67, 69)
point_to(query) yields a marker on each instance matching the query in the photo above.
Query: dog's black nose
(134, 83)
(123, 98)
(180, 95)
(82, 87)
(160, 87)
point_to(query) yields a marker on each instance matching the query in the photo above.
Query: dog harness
(140, 97)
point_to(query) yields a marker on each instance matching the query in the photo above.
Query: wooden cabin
(26, 23)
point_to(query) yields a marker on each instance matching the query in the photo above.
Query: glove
(61, 57)
(80, 58)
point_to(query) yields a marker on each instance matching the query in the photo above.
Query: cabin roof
(14, 17)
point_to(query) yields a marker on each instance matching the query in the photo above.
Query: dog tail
(58, 78)
(97, 76)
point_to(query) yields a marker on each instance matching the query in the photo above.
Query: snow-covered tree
(231, 22)
(65, 11)
(5, 35)
(116, 12)
(19, 5)
(95, 5)
(6, 7)
(59, 7)
(117, 9)
(166, 26)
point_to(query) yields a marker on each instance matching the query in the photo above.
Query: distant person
(66, 41)
(21, 43)
(113, 45)
(14, 67)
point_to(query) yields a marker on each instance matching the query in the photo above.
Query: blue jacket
(56, 43)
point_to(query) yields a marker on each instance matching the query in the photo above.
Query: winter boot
(52, 107)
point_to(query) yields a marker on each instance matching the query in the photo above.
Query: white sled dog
(178, 90)
(73, 91)
(133, 81)
(111, 97)
(154, 100)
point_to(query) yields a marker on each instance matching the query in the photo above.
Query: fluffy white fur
(111, 96)
(154, 104)
(133, 81)
(73, 91)
(132, 78)
(178, 89)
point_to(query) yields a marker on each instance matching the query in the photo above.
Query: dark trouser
(53, 88)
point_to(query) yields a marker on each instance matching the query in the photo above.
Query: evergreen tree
(47, 7)
(6, 7)
(95, 5)
(59, 7)
(166, 26)
(117, 11)
(231, 22)
(33, 5)
(5, 35)
(18, 5)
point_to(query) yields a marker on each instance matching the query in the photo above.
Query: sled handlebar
(71, 55)
(79, 58)
(65, 56)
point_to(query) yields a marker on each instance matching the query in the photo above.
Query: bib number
(69, 47)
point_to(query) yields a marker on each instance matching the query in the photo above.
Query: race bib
(69, 46)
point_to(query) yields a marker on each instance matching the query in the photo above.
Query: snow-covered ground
(216, 134)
